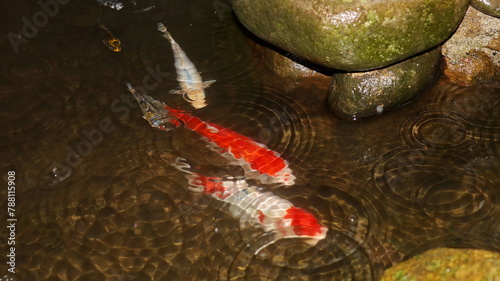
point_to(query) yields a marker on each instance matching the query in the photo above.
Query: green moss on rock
(352, 35)
(362, 94)
(445, 264)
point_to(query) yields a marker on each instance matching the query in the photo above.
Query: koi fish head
(287, 221)
(304, 223)
(153, 111)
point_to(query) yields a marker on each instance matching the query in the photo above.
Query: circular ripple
(482, 109)
(337, 257)
(41, 60)
(227, 41)
(478, 105)
(447, 188)
(347, 207)
(155, 150)
(33, 105)
(340, 204)
(437, 129)
(30, 116)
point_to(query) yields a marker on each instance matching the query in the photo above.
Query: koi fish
(190, 81)
(255, 208)
(110, 40)
(265, 210)
(113, 4)
(258, 161)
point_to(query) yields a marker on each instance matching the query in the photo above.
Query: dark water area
(97, 199)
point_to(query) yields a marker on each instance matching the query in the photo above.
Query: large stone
(361, 94)
(352, 35)
(445, 264)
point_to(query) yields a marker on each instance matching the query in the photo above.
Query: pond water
(97, 197)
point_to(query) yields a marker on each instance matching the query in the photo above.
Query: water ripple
(478, 106)
(337, 257)
(30, 105)
(446, 188)
(276, 120)
(436, 129)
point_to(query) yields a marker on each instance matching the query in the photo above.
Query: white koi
(191, 84)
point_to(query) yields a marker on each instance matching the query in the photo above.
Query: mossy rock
(446, 264)
(352, 35)
(362, 94)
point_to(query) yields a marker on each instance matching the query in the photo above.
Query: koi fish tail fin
(153, 111)
(165, 32)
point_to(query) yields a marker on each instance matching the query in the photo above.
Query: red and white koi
(190, 81)
(255, 208)
(258, 161)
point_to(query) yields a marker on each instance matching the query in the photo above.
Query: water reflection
(98, 198)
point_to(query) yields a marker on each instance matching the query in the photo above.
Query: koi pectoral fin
(207, 84)
(177, 92)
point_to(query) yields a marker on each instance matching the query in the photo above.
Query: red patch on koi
(304, 223)
(256, 155)
(261, 216)
(212, 186)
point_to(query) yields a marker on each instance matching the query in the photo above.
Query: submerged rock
(287, 65)
(352, 35)
(361, 94)
(473, 53)
(489, 7)
(446, 264)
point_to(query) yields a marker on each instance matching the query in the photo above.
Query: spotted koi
(258, 161)
(255, 208)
